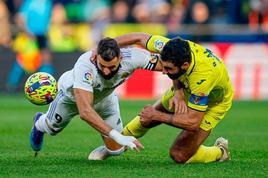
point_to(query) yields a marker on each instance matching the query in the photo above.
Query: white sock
(42, 126)
(116, 152)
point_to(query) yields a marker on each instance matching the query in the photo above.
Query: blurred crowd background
(33, 31)
(66, 18)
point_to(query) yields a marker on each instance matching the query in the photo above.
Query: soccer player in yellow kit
(207, 93)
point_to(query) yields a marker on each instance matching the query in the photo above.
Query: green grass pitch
(65, 155)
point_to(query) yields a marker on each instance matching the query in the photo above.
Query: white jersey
(85, 76)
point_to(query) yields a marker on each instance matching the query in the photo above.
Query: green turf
(65, 155)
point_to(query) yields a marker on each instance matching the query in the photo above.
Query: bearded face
(108, 69)
(176, 75)
(108, 76)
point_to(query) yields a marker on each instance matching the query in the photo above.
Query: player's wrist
(115, 135)
(179, 93)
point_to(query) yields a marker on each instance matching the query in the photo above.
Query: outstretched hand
(128, 141)
(138, 144)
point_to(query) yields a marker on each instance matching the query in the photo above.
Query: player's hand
(138, 144)
(178, 103)
(146, 115)
(128, 141)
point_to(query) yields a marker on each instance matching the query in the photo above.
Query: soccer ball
(40, 88)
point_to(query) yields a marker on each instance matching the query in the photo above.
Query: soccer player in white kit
(88, 90)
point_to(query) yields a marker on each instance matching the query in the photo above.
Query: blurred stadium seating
(234, 30)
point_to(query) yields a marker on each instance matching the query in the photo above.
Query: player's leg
(188, 147)
(136, 129)
(53, 121)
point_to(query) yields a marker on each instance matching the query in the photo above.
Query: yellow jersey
(206, 81)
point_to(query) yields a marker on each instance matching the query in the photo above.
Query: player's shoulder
(85, 55)
(85, 61)
(129, 53)
(126, 53)
(85, 58)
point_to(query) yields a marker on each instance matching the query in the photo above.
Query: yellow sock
(206, 154)
(134, 128)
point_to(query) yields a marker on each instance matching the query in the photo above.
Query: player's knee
(178, 156)
(116, 152)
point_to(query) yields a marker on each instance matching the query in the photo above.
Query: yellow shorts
(214, 113)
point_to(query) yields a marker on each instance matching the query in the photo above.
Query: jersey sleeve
(144, 59)
(83, 77)
(156, 43)
(201, 86)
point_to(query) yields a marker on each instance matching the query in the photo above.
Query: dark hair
(108, 49)
(177, 51)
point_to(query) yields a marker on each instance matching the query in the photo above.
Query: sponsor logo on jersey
(201, 81)
(207, 122)
(158, 45)
(88, 77)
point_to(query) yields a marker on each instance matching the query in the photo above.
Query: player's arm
(133, 38)
(178, 100)
(189, 121)
(197, 105)
(153, 43)
(84, 101)
(155, 63)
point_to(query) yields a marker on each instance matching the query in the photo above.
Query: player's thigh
(60, 112)
(187, 143)
(165, 99)
(163, 103)
(109, 111)
(214, 115)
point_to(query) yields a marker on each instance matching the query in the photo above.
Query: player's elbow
(84, 115)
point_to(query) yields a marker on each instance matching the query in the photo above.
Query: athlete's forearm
(183, 121)
(94, 120)
(84, 100)
(133, 38)
(177, 84)
(178, 87)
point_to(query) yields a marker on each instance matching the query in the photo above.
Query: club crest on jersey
(88, 77)
(158, 45)
(199, 100)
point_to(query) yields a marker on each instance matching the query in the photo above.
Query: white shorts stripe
(53, 105)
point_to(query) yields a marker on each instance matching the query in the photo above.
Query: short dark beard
(177, 75)
(111, 75)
